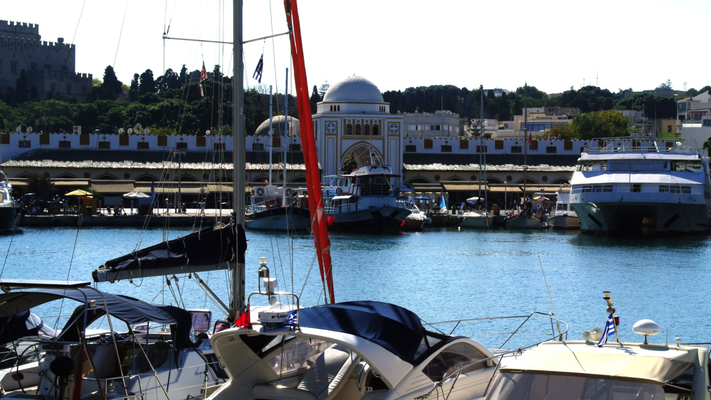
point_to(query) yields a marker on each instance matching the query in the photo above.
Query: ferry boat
(364, 200)
(278, 209)
(597, 368)
(647, 188)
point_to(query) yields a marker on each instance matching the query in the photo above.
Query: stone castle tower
(50, 66)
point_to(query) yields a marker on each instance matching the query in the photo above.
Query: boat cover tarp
(394, 328)
(209, 246)
(128, 309)
(25, 323)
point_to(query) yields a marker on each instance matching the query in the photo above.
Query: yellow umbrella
(79, 192)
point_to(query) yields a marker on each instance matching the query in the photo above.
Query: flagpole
(611, 310)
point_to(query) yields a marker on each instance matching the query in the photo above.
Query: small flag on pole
(203, 77)
(609, 330)
(529, 138)
(258, 71)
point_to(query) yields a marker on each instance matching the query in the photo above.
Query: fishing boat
(9, 210)
(365, 200)
(564, 217)
(598, 368)
(278, 208)
(636, 187)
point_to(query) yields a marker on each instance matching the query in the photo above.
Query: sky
(552, 45)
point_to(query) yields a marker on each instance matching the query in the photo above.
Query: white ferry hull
(643, 217)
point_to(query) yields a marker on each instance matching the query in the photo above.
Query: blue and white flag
(293, 319)
(258, 71)
(609, 330)
(442, 202)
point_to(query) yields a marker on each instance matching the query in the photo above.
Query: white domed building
(354, 127)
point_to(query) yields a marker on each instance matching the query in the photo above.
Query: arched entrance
(360, 155)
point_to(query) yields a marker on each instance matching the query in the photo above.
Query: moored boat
(642, 188)
(9, 210)
(564, 217)
(595, 368)
(278, 209)
(366, 201)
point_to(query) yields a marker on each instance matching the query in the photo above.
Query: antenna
(560, 334)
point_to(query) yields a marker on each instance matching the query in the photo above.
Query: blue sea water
(440, 274)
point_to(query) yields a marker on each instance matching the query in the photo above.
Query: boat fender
(339, 191)
(260, 191)
(288, 192)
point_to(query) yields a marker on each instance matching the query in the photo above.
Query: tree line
(173, 104)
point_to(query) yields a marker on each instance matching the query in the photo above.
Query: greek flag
(258, 71)
(609, 330)
(293, 319)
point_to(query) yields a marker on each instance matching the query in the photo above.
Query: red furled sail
(308, 145)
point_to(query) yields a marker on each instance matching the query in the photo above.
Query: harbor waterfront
(440, 274)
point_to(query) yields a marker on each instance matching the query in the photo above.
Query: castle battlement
(33, 43)
(19, 27)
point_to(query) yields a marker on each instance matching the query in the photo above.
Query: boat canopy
(372, 170)
(96, 304)
(394, 328)
(655, 363)
(207, 250)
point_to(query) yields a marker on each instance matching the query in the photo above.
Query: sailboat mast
(525, 137)
(237, 305)
(286, 135)
(271, 135)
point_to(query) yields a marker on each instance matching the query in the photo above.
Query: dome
(278, 126)
(353, 89)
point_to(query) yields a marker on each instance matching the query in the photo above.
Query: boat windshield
(540, 386)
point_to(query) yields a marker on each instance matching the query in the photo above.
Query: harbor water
(440, 274)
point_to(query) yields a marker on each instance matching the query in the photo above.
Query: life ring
(260, 191)
(288, 192)
(339, 191)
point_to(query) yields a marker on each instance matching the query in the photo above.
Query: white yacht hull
(474, 220)
(564, 222)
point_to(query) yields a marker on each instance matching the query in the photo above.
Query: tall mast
(271, 135)
(525, 136)
(284, 142)
(238, 158)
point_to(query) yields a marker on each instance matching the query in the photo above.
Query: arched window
(376, 130)
(358, 130)
(366, 130)
(349, 129)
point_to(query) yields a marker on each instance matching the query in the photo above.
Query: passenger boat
(596, 368)
(365, 200)
(9, 210)
(564, 217)
(642, 188)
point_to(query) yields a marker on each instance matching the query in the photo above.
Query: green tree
(315, 98)
(562, 131)
(147, 83)
(600, 124)
(133, 90)
(111, 87)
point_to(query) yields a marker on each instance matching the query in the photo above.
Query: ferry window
(551, 149)
(142, 146)
(663, 188)
(635, 187)
(607, 188)
(587, 189)
(686, 189)
(65, 144)
(674, 189)
(104, 145)
(24, 144)
(597, 189)
(446, 148)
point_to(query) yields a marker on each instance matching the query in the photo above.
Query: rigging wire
(123, 21)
